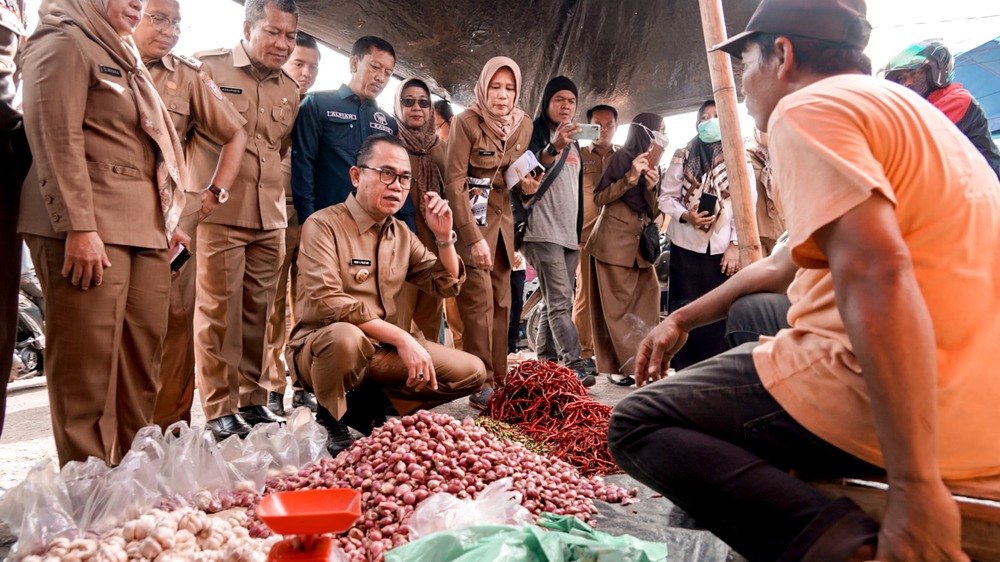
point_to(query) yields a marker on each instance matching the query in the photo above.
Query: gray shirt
(554, 217)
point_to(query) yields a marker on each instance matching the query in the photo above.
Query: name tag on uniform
(366, 263)
(110, 70)
(341, 115)
(487, 153)
(231, 90)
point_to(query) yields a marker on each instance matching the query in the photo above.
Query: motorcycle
(29, 346)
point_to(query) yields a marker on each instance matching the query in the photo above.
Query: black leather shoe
(304, 398)
(276, 403)
(226, 426)
(254, 415)
(338, 434)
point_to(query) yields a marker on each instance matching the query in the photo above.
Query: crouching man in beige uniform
(353, 261)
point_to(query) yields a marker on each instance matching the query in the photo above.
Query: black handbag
(521, 210)
(649, 242)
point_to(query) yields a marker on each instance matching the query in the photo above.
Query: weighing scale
(306, 515)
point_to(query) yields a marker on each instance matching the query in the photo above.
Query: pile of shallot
(407, 459)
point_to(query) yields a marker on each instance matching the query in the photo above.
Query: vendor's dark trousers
(756, 315)
(715, 442)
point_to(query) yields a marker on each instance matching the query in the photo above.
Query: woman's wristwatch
(221, 194)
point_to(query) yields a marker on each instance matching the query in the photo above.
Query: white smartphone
(589, 132)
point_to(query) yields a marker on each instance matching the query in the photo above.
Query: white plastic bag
(497, 504)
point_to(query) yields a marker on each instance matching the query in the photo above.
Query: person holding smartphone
(624, 293)
(704, 248)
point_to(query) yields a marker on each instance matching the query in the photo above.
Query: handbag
(521, 210)
(649, 242)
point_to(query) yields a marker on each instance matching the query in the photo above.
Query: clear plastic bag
(192, 467)
(37, 510)
(497, 504)
(309, 435)
(247, 467)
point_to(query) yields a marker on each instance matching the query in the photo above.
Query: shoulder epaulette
(212, 53)
(190, 61)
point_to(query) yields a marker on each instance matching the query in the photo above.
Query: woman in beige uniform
(427, 154)
(483, 142)
(97, 212)
(624, 292)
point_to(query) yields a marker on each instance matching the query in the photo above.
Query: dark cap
(837, 21)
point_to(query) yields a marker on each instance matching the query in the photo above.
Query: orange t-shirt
(833, 143)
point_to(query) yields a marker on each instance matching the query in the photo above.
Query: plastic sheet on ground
(558, 539)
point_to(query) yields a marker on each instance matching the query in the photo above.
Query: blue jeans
(713, 440)
(755, 315)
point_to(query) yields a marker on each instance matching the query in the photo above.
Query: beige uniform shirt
(194, 101)
(269, 105)
(352, 269)
(593, 169)
(93, 167)
(474, 151)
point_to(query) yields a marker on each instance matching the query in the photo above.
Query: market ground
(27, 439)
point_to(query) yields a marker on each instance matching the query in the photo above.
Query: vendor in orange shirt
(886, 368)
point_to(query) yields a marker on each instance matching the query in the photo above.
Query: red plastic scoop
(310, 512)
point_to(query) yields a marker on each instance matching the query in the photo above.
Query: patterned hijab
(704, 172)
(501, 125)
(90, 16)
(420, 142)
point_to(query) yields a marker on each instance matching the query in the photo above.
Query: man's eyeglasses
(163, 23)
(387, 177)
(409, 102)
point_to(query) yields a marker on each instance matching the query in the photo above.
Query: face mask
(709, 132)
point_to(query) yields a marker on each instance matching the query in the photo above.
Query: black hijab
(636, 143)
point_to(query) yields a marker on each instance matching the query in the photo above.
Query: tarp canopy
(638, 55)
(979, 71)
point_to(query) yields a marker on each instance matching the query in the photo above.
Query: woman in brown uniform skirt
(484, 140)
(427, 157)
(97, 211)
(624, 291)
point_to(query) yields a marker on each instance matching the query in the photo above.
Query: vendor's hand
(419, 367)
(639, 165)
(731, 260)
(527, 184)
(652, 177)
(85, 259)
(695, 218)
(921, 524)
(564, 135)
(437, 215)
(656, 350)
(179, 237)
(481, 257)
(208, 204)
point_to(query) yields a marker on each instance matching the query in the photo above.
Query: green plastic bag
(557, 539)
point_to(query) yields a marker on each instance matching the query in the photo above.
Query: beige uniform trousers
(284, 304)
(103, 347)
(336, 358)
(237, 279)
(581, 306)
(624, 305)
(175, 385)
(484, 304)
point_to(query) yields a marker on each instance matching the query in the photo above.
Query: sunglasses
(410, 102)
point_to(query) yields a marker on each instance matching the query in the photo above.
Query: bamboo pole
(724, 90)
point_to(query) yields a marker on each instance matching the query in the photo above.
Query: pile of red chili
(548, 404)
